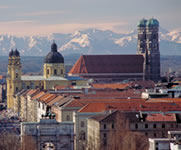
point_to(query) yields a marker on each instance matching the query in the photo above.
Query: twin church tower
(148, 46)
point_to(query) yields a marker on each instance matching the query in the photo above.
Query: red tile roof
(32, 92)
(111, 85)
(45, 97)
(2, 77)
(108, 64)
(58, 98)
(161, 117)
(130, 106)
(38, 95)
(83, 102)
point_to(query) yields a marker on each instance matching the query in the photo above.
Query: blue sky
(41, 17)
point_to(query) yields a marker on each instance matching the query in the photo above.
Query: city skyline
(45, 17)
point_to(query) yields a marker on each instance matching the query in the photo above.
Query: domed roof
(16, 53)
(11, 53)
(152, 22)
(54, 56)
(142, 23)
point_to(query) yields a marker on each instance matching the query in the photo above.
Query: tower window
(48, 71)
(55, 71)
(154, 36)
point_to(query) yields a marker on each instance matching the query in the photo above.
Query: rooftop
(108, 64)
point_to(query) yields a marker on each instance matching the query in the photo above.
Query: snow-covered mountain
(90, 41)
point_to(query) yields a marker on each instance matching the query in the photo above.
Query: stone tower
(148, 46)
(14, 77)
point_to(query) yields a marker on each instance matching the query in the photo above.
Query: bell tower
(141, 36)
(14, 77)
(148, 46)
(152, 30)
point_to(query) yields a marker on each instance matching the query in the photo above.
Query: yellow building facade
(53, 75)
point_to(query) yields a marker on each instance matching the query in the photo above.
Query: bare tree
(28, 143)
(121, 138)
(9, 141)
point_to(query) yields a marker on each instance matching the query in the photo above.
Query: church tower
(14, 77)
(142, 47)
(152, 30)
(141, 36)
(54, 63)
(148, 46)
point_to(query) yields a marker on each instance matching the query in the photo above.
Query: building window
(43, 106)
(146, 125)
(154, 36)
(82, 124)
(163, 134)
(82, 135)
(163, 125)
(73, 83)
(105, 135)
(68, 118)
(28, 87)
(48, 71)
(61, 71)
(146, 133)
(105, 142)
(16, 75)
(16, 89)
(136, 126)
(32, 85)
(104, 126)
(112, 125)
(155, 135)
(39, 105)
(154, 125)
(55, 71)
(23, 85)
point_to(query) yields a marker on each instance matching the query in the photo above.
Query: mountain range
(90, 41)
